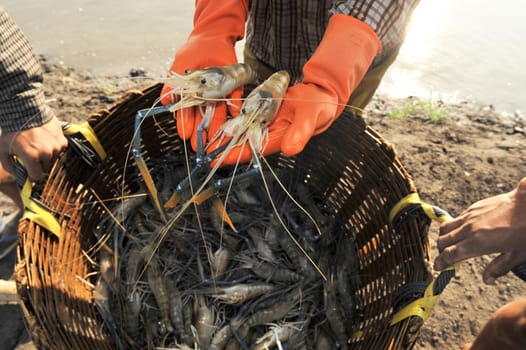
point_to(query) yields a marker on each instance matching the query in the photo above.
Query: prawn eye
(263, 122)
(203, 81)
(243, 110)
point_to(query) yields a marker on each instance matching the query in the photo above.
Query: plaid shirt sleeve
(388, 18)
(284, 34)
(22, 103)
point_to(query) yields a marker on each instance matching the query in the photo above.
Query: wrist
(343, 57)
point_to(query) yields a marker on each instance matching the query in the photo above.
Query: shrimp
(334, 315)
(131, 316)
(219, 262)
(176, 309)
(324, 341)
(275, 336)
(257, 112)
(102, 298)
(221, 338)
(202, 85)
(271, 272)
(263, 249)
(204, 322)
(160, 293)
(241, 292)
(277, 311)
(104, 295)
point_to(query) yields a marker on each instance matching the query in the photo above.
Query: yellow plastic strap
(432, 212)
(34, 212)
(412, 198)
(423, 306)
(88, 133)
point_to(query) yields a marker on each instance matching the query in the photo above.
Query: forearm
(521, 188)
(22, 102)
(506, 329)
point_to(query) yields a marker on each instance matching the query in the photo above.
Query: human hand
(306, 110)
(330, 76)
(36, 147)
(493, 225)
(217, 27)
(194, 55)
(506, 329)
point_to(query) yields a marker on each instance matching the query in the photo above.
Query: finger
(63, 143)
(235, 102)
(299, 132)
(34, 168)
(323, 122)
(46, 161)
(500, 266)
(454, 254)
(275, 137)
(185, 122)
(451, 225)
(167, 95)
(271, 145)
(452, 234)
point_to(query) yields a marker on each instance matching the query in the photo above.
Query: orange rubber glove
(330, 76)
(217, 27)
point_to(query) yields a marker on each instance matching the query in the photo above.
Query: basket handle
(423, 306)
(33, 209)
(82, 139)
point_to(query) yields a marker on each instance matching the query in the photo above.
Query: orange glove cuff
(342, 58)
(220, 19)
(217, 27)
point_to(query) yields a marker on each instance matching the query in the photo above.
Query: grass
(433, 110)
(405, 112)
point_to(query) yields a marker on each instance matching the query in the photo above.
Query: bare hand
(493, 225)
(506, 329)
(36, 147)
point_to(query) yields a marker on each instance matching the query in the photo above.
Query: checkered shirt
(285, 33)
(22, 104)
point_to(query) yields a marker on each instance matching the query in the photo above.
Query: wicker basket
(353, 168)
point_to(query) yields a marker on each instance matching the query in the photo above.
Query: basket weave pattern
(350, 166)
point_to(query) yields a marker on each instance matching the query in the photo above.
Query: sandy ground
(471, 153)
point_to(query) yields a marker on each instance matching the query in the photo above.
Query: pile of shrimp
(282, 274)
(209, 287)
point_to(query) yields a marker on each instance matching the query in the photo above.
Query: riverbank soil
(466, 154)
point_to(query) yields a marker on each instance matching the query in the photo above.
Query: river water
(456, 49)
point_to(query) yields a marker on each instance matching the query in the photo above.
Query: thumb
(273, 141)
(500, 266)
(7, 166)
(167, 96)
